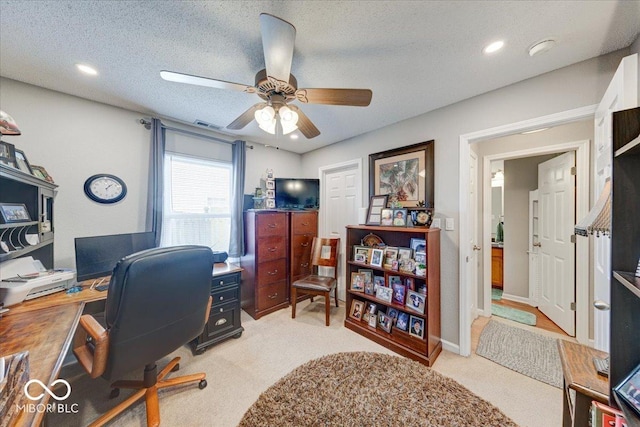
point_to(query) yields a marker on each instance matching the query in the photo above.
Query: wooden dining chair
(324, 253)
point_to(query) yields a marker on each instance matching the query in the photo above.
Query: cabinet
(624, 345)
(304, 227)
(497, 267)
(265, 281)
(32, 237)
(426, 349)
(224, 317)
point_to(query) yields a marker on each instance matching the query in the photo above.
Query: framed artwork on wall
(405, 174)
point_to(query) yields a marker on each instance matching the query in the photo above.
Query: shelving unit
(37, 195)
(625, 248)
(424, 350)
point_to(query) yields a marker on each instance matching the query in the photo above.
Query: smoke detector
(541, 46)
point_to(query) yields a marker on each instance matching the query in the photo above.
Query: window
(197, 198)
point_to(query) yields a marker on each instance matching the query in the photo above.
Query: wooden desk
(581, 376)
(45, 327)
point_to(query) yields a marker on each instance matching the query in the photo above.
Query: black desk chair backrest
(158, 300)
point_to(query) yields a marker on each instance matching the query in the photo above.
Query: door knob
(601, 305)
(476, 248)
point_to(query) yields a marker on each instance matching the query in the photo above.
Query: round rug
(372, 389)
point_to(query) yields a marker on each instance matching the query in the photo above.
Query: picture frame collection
(385, 318)
(411, 260)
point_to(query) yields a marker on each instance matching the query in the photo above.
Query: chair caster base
(202, 384)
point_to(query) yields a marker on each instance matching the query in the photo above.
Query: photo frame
(402, 322)
(378, 281)
(376, 205)
(357, 282)
(22, 163)
(406, 173)
(8, 154)
(373, 321)
(399, 217)
(14, 212)
(398, 293)
(629, 390)
(404, 253)
(370, 309)
(385, 322)
(392, 313)
(386, 217)
(361, 254)
(416, 301)
(390, 255)
(270, 184)
(418, 245)
(416, 326)
(368, 276)
(383, 293)
(357, 309)
(271, 194)
(270, 203)
(376, 257)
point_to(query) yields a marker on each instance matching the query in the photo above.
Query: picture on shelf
(407, 265)
(418, 245)
(420, 258)
(270, 184)
(357, 282)
(409, 283)
(14, 212)
(370, 310)
(392, 313)
(417, 326)
(390, 255)
(386, 217)
(400, 217)
(385, 322)
(378, 281)
(384, 293)
(361, 254)
(404, 253)
(357, 308)
(394, 280)
(376, 205)
(376, 257)
(415, 301)
(373, 320)
(398, 293)
(368, 288)
(368, 276)
(402, 322)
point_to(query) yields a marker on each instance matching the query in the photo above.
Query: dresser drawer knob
(221, 282)
(271, 225)
(221, 310)
(305, 244)
(306, 264)
(272, 273)
(305, 223)
(272, 249)
(221, 322)
(274, 296)
(221, 298)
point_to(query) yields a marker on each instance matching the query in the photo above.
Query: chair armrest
(92, 347)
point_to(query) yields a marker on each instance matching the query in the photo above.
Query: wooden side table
(581, 376)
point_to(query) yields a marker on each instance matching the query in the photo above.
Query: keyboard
(602, 366)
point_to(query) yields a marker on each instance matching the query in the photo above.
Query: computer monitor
(97, 256)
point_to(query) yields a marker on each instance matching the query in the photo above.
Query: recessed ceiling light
(294, 136)
(493, 47)
(87, 69)
(533, 131)
(542, 46)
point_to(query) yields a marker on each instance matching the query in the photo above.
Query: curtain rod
(147, 124)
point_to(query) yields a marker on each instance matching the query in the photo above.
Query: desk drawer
(271, 224)
(224, 295)
(301, 264)
(226, 280)
(304, 222)
(271, 295)
(222, 318)
(272, 271)
(272, 247)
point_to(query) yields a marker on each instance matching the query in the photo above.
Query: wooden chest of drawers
(265, 279)
(304, 227)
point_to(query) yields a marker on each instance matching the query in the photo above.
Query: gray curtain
(239, 156)
(156, 179)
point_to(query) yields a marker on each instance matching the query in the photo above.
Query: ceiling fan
(277, 86)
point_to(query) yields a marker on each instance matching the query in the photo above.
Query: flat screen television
(97, 256)
(297, 193)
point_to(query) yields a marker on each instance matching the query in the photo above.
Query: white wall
(73, 138)
(575, 86)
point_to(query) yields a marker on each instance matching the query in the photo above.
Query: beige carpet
(239, 370)
(359, 388)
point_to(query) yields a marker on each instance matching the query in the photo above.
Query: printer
(25, 278)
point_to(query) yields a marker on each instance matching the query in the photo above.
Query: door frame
(577, 114)
(583, 176)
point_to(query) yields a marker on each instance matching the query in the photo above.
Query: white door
(339, 208)
(620, 95)
(534, 245)
(556, 185)
(472, 262)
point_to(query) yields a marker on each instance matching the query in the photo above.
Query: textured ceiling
(415, 56)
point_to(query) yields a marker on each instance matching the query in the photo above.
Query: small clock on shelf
(105, 188)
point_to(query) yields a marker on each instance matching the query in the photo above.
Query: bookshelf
(427, 348)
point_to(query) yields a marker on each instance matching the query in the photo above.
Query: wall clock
(105, 188)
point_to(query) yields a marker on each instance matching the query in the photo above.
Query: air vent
(207, 125)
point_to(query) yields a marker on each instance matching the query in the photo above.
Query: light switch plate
(448, 224)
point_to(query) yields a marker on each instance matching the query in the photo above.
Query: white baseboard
(453, 348)
(516, 298)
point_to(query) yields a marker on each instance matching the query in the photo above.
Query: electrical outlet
(436, 223)
(448, 224)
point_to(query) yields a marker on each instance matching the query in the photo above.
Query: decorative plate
(372, 240)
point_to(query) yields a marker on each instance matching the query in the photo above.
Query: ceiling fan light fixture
(288, 119)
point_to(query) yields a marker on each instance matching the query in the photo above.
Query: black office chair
(158, 301)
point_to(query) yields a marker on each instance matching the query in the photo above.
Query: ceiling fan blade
(278, 37)
(353, 97)
(244, 118)
(305, 125)
(204, 81)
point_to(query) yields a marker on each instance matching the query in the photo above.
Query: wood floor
(542, 321)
